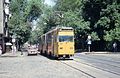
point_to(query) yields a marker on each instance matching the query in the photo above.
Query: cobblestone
(35, 67)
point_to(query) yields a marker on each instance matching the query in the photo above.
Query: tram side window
(55, 38)
(49, 38)
(43, 39)
(65, 38)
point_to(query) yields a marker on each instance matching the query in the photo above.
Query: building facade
(4, 15)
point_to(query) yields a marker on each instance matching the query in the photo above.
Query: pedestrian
(13, 48)
(114, 46)
(0, 50)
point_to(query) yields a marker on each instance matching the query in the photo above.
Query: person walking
(0, 50)
(13, 49)
(114, 46)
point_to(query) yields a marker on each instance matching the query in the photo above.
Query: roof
(56, 28)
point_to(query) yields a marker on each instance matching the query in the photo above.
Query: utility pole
(60, 15)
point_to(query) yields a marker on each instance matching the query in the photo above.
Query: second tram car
(58, 42)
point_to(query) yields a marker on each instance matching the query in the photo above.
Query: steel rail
(77, 69)
(97, 67)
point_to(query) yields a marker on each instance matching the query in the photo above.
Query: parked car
(32, 50)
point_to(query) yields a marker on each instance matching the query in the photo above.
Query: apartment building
(4, 15)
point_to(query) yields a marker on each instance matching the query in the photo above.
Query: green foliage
(105, 20)
(48, 19)
(103, 23)
(66, 5)
(98, 18)
(34, 9)
(44, 24)
(23, 12)
(94, 36)
(113, 34)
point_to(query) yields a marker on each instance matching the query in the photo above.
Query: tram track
(98, 68)
(104, 59)
(78, 69)
(99, 61)
(89, 73)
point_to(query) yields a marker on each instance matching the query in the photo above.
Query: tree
(98, 18)
(23, 13)
(34, 9)
(44, 23)
(72, 16)
(104, 21)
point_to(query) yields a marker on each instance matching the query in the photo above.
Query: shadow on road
(55, 58)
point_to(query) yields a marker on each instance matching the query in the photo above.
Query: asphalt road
(106, 62)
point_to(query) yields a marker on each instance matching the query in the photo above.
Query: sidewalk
(10, 54)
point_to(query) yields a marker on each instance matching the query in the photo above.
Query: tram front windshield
(65, 38)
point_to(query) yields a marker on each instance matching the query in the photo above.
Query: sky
(50, 2)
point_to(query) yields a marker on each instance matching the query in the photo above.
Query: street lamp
(89, 42)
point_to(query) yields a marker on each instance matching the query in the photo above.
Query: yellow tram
(58, 42)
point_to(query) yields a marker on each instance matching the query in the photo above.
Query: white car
(32, 50)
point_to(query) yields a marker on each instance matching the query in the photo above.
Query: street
(59, 38)
(82, 66)
(35, 67)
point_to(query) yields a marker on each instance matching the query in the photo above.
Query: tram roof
(67, 28)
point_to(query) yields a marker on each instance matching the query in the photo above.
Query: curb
(10, 54)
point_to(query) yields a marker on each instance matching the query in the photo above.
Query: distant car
(32, 50)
